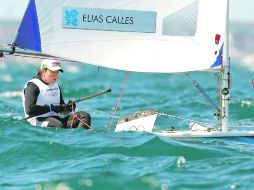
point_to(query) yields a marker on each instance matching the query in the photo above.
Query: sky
(240, 10)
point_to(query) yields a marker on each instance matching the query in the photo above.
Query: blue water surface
(48, 158)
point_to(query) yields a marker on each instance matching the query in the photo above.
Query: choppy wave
(76, 159)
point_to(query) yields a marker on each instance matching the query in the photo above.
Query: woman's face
(49, 76)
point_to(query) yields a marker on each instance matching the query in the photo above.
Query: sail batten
(144, 36)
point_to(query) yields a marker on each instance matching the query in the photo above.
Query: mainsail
(134, 35)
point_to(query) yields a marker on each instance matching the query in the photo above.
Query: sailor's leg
(85, 120)
(54, 122)
(82, 119)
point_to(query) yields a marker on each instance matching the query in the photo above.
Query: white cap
(52, 65)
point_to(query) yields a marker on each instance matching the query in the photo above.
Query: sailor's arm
(31, 93)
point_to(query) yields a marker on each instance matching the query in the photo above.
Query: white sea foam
(246, 103)
(11, 94)
(180, 161)
(71, 68)
(2, 65)
(6, 78)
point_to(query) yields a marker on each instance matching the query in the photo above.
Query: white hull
(204, 134)
(142, 121)
(182, 133)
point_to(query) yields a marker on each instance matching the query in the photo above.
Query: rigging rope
(218, 85)
(76, 116)
(212, 104)
(182, 118)
(119, 99)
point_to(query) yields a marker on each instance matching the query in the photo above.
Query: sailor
(43, 101)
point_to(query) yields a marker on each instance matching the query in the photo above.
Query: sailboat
(136, 36)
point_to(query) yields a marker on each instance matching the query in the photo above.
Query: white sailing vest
(49, 94)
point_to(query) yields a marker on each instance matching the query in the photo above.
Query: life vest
(49, 94)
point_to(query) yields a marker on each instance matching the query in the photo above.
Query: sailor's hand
(58, 107)
(71, 106)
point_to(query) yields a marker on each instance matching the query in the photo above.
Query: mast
(225, 75)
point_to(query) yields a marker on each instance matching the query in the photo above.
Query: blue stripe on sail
(218, 61)
(28, 35)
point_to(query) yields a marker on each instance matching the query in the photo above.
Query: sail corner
(28, 34)
(218, 61)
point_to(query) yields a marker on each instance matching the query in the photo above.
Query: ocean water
(60, 159)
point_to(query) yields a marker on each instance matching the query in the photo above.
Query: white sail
(134, 35)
